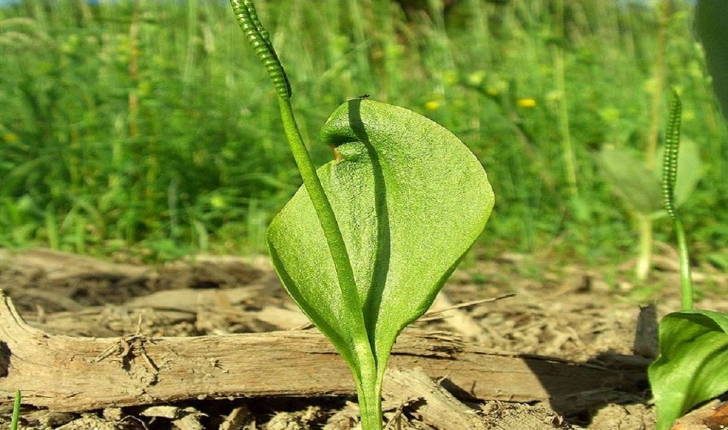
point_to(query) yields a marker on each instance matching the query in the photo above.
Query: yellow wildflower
(10, 138)
(432, 105)
(526, 103)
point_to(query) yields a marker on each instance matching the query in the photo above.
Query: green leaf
(639, 187)
(711, 25)
(689, 169)
(691, 366)
(410, 199)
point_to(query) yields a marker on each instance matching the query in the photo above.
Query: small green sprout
(367, 242)
(16, 412)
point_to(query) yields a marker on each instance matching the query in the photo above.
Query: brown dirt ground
(561, 311)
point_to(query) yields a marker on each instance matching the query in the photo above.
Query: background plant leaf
(630, 179)
(639, 187)
(691, 366)
(410, 199)
(689, 169)
(711, 25)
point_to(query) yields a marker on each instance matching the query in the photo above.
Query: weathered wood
(432, 402)
(438, 408)
(72, 374)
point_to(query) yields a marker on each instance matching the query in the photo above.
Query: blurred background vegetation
(146, 127)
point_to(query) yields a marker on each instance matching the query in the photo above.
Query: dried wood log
(438, 408)
(73, 374)
(432, 402)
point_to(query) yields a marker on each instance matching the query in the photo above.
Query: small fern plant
(693, 344)
(370, 238)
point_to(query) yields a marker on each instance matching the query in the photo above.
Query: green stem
(659, 76)
(669, 179)
(365, 366)
(560, 71)
(686, 282)
(370, 401)
(369, 391)
(260, 41)
(370, 404)
(323, 208)
(16, 411)
(642, 269)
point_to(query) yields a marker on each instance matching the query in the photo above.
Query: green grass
(147, 127)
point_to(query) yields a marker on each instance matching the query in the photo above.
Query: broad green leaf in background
(630, 179)
(711, 25)
(639, 187)
(689, 169)
(410, 199)
(641, 191)
(691, 366)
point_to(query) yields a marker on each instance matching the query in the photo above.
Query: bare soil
(511, 343)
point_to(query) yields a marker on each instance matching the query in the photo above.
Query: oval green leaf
(631, 180)
(410, 199)
(689, 169)
(639, 187)
(691, 366)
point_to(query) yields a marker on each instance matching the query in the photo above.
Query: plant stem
(364, 366)
(16, 411)
(370, 404)
(669, 179)
(686, 282)
(323, 208)
(260, 41)
(560, 72)
(645, 255)
(368, 388)
(659, 75)
(134, 71)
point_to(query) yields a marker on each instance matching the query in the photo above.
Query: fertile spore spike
(672, 147)
(259, 38)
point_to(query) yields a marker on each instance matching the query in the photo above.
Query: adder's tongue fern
(399, 167)
(669, 178)
(259, 39)
(366, 368)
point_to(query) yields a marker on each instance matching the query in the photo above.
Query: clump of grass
(120, 125)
